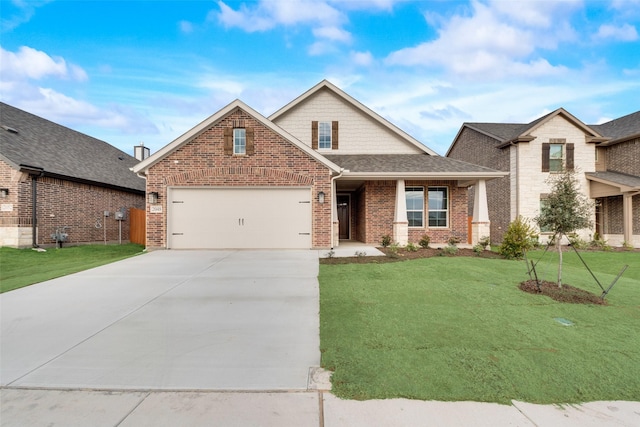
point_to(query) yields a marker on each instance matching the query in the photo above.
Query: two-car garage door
(206, 218)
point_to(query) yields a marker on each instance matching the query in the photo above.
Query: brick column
(400, 222)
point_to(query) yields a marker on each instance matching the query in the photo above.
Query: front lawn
(455, 329)
(23, 267)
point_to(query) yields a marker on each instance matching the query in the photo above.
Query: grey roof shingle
(64, 152)
(617, 178)
(404, 163)
(620, 128)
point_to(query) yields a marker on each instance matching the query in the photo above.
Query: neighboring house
(606, 158)
(324, 168)
(52, 177)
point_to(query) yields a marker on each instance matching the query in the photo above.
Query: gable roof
(211, 120)
(620, 129)
(327, 85)
(508, 133)
(33, 143)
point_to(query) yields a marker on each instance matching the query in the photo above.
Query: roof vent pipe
(140, 152)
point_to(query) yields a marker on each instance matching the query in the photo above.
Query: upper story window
(415, 206)
(324, 135)
(239, 141)
(438, 207)
(557, 155)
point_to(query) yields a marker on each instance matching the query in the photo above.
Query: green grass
(23, 267)
(455, 329)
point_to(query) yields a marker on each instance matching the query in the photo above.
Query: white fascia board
(205, 124)
(357, 104)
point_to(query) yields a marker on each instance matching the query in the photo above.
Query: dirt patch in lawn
(401, 254)
(565, 294)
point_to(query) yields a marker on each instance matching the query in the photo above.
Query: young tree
(564, 211)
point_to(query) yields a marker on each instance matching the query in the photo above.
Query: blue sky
(127, 72)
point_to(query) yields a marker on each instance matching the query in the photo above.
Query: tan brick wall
(64, 203)
(276, 162)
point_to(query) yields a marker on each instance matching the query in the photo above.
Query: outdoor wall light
(4, 193)
(153, 198)
(321, 197)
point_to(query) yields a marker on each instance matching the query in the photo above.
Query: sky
(148, 71)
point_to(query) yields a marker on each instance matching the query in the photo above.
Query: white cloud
(493, 41)
(185, 26)
(29, 63)
(626, 33)
(362, 58)
(23, 11)
(332, 33)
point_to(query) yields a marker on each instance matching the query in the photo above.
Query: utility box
(120, 215)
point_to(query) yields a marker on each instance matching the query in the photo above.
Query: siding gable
(357, 134)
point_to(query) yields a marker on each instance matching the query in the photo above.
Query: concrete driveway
(168, 320)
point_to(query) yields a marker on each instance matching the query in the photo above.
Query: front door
(343, 216)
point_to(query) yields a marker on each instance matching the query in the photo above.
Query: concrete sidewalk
(31, 407)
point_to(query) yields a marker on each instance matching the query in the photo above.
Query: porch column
(480, 224)
(627, 217)
(400, 222)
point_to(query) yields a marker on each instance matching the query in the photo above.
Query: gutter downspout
(333, 202)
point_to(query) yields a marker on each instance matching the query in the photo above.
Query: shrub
(577, 242)
(450, 249)
(484, 241)
(453, 240)
(424, 241)
(599, 243)
(393, 251)
(411, 247)
(478, 249)
(627, 246)
(519, 238)
(386, 240)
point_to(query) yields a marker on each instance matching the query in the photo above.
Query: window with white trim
(438, 207)
(324, 135)
(556, 157)
(415, 206)
(239, 141)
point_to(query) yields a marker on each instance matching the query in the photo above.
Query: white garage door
(205, 218)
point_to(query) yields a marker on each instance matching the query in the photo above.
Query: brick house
(52, 177)
(322, 169)
(606, 157)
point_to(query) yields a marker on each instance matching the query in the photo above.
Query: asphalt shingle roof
(620, 128)
(62, 151)
(404, 163)
(617, 178)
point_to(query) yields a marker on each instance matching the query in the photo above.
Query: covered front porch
(406, 209)
(617, 207)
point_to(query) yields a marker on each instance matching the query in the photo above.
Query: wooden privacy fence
(137, 228)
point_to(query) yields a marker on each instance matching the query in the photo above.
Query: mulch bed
(565, 294)
(403, 255)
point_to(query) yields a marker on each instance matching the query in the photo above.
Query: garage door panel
(239, 218)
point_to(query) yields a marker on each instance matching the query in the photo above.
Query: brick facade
(375, 208)
(201, 162)
(478, 148)
(623, 158)
(63, 203)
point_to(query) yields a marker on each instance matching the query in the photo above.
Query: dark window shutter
(228, 141)
(314, 135)
(546, 148)
(570, 164)
(334, 135)
(250, 148)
